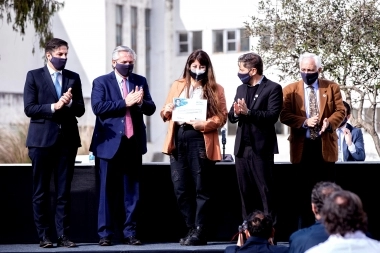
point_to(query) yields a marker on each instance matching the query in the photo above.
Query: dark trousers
(59, 161)
(119, 190)
(191, 175)
(311, 170)
(254, 175)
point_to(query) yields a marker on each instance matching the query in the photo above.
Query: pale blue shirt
(307, 92)
(52, 75)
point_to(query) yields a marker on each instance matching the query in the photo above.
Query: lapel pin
(324, 95)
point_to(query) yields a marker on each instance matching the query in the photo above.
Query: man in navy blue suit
(305, 238)
(350, 140)
(119, 100)
(52, 100)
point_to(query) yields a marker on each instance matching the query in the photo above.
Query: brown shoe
(63, 241)
(46, 242)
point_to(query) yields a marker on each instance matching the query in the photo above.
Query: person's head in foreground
(343, 213)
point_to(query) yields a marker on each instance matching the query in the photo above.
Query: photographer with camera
(259, 232)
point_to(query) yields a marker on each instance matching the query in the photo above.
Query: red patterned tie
(128, 118)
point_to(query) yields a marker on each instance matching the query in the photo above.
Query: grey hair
(316, 58)
(115, 53)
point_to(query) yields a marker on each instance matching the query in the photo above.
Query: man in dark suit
(313, 109)
(350, 140)
(256, 108)
(305, 238)
(119, 100)
(52, 100)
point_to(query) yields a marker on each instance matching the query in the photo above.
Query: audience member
(303, 239)
(350, 140)
(346, 223)
(259, 232)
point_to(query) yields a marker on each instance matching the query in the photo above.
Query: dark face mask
(58, 63)
(124, 69)
(309, 78)
(244, 77)
(197, 76)
(343, 122)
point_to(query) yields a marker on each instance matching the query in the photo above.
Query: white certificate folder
(186, 109)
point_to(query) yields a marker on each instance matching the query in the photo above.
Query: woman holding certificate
(195, 108)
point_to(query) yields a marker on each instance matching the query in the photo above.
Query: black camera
(243, 226)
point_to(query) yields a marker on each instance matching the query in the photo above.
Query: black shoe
(182, 240)
(105, 241)
(63, 241)
(46, 243)
(197, 238)
(132, 240)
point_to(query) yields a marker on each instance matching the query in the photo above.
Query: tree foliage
(38, 12)
(345, 33)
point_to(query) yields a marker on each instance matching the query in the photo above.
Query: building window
(189, 41)
(119, 25)
(244, 40)
(230, 41)
(134, 28)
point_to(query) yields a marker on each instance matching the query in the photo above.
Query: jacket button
(122, 121)
(120, 132)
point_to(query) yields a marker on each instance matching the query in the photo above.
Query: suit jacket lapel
(115, 85)
(322, 97)
(301, 98)
(65, 81)
(259, 90)
(49, 82)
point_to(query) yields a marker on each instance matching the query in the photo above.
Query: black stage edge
(160, 223)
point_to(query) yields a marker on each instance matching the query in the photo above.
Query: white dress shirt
(356, 242)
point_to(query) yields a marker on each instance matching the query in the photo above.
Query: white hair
(315, 57)
(115, 53)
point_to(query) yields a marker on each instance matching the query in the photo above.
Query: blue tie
(57, 86)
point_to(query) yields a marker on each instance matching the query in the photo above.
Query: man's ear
(314, 208)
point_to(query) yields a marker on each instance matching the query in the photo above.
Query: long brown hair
(209, 85)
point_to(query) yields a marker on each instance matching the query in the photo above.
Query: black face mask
(343, 122)
(124, 69)
(309, 78)
(244, 78)
(58, 63)
(197, 76)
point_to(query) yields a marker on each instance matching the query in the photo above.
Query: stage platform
(158, 206)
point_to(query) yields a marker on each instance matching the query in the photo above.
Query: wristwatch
(248, 112)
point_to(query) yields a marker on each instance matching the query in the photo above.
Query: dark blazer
(305, 238)
(256, 245)
(39, 94)
(357, 140)
(264, 114)
(293, 114)
(109, 107)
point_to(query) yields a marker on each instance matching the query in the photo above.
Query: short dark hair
(321, 191)
(252, 60)
(348, 108)
(55, 43)
(343, 213)
(260, 224)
